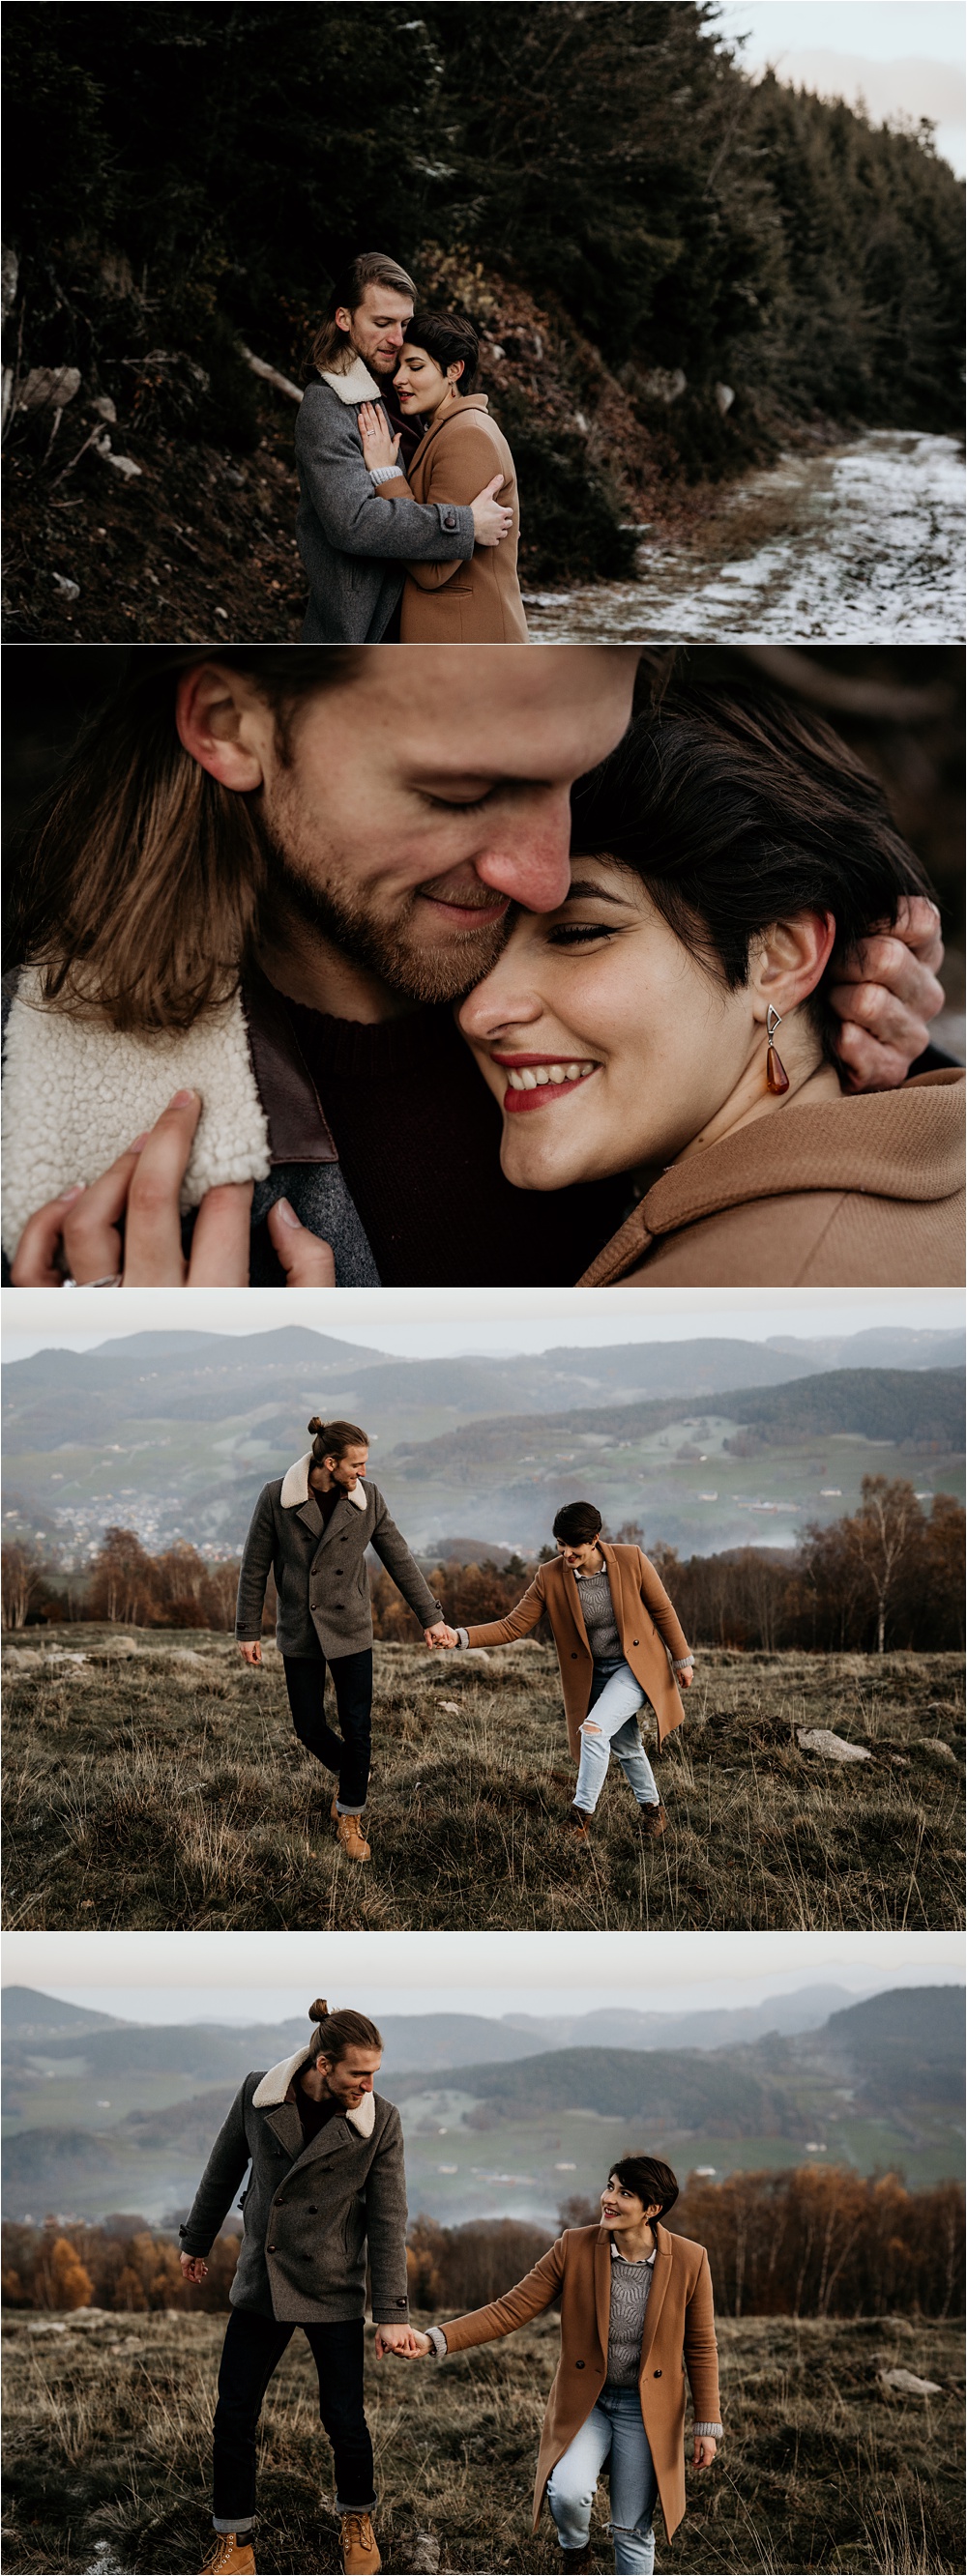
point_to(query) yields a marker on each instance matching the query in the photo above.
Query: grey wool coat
(324, 1605)
(355, 545)
(312, 2212)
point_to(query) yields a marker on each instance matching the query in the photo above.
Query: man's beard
(392, 951)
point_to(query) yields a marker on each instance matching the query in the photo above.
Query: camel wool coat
(862, 1192)
(475, 602)
(679, 2337)
(648, 1626)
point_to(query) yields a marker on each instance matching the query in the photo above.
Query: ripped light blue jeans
(615, 1700)
(614, 2430)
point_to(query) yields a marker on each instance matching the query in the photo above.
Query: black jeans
(349, 1752)
(252, 2350)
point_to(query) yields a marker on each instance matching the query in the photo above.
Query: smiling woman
(719, 859)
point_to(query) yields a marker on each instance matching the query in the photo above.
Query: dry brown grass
(158, 1783)
(109, 2424)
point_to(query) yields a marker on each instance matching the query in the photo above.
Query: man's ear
(223, 725)
(789, 960)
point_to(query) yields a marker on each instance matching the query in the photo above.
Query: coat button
(579, 2365)
(313, 2210)
(270, 2249)
(656, 2374)
(574, 1655)
(634, 1641)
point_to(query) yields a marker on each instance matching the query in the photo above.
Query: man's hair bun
(319, 2010)
(316, 1424)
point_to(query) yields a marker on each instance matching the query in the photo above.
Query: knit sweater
(630, 2287)
(598, 1613)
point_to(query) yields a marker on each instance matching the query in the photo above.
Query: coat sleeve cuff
(391, 2312)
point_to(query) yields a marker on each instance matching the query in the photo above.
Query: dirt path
(832, 548)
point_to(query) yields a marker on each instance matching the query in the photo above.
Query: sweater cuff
(438, 2341)
(682, 1663)
(384, 473)
(713, 2431)
(464, 1636)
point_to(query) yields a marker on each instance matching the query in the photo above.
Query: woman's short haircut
(337, 2031)
(737, 811)
(577, 1524)
(449, 339)
(653, 2181)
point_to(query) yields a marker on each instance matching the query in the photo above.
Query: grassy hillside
(156, 1784)
(109, 2422)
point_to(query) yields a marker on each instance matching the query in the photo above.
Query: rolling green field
(154, 1783)
(108, 2428)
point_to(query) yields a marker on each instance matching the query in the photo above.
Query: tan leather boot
(350, 1836)
(231, 2556)
(360, 2556)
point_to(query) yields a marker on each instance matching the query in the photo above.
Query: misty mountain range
(172, 1434)
(873, 2083)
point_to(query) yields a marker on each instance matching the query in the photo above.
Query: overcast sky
(246, 1976)
(420, 1323)
(904, 57)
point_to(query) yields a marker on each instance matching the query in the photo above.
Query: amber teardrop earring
(776, 1075)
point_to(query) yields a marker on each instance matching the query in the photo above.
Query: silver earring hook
(773, 1021)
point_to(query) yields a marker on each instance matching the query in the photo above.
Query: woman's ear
(223, 725)
(455, 372)
(789, 960)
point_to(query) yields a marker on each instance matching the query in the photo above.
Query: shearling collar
(355, 386)
(273, 2090)
(295, 1486)
(76, 1091)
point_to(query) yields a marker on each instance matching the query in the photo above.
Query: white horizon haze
(241, 1977)
(427, 1323)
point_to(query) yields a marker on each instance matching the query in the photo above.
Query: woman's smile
(534, 1081)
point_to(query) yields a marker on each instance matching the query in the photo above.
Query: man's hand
(491, 522)
(887, 995)
(403, 2340)
(703, 2451)
(143, 1188)
(194, 2267)
(441, 1635)
(378, 447)
(251, 1649)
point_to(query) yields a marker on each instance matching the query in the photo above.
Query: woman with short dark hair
(471, 602)
(619, 1643)
(684, 998)
(636, 2315)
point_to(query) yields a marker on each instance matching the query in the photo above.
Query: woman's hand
(887, 995)
(405, 2341)
(703, 2451)
(378, 447)
(143, 1188)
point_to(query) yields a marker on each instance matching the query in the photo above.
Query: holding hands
(405, 2341)
(441, 1635)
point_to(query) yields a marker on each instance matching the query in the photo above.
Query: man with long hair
(326, 2193)
(311, 1528)
(355, 540)
(261, 883)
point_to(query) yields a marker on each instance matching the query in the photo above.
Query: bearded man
(266, 876)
